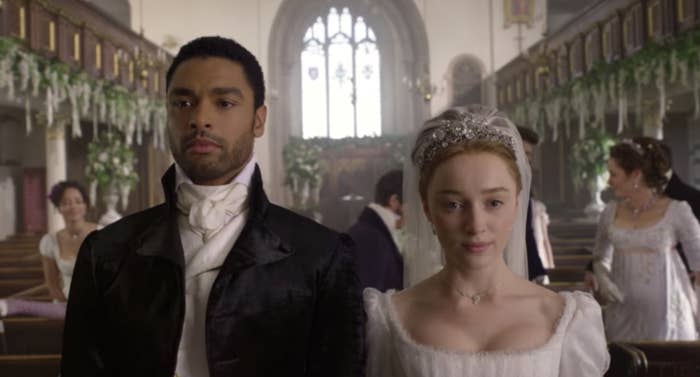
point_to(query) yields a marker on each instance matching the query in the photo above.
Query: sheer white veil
(422, 252)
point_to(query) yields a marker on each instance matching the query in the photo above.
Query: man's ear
(394, 203)
(259, 121)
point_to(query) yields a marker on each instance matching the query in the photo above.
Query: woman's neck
(75, 227)
(641, 198)
(485, 281)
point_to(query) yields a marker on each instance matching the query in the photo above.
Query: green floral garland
(672, 62)
(26, 75)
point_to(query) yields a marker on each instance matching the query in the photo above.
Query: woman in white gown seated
(639, 271)
(479, 315)
(58, 253)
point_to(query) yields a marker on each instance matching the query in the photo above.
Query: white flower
(115, 161)
(103, 157)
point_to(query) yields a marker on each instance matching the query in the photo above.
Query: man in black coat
(379, 263)
(217, 281)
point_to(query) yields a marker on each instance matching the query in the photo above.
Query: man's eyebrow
(178, 91)
(228, 90)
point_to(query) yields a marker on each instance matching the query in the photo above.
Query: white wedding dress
(659, 301)
(577, 347)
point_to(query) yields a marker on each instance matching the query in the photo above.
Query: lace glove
(607, 289)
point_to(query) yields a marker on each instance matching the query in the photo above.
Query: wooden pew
(32, 336)
(626, 361)
(670, 359)
(12, 273)
(566, 286)
(30, 365)
(574, 260)
(25, 261)
(11, 287)
(566, 274)
(570, 250)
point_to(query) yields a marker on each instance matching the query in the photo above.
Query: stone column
(56, 170)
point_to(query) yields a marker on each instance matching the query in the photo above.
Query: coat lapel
(257, 243)
(162, 237)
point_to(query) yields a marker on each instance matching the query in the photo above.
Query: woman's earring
(432, 226)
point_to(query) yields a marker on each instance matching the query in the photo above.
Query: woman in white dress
(638, 269)
(58, 252)
(478, 315)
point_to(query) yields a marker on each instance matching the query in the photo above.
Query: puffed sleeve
(377, 338)
(687, 231)
(48, 246)
(584, 351)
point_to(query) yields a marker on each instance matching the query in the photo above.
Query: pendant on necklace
(476, 298)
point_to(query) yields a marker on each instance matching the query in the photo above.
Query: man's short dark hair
(223, 48)
(389, 184)
(529, 135)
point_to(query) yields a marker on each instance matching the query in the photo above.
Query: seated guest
(58, 253)
(379, 263)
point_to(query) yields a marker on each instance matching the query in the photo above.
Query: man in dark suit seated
(379, 263)
(217, 281)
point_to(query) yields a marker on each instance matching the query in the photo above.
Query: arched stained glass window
(341, 94)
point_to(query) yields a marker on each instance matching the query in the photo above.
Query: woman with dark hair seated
(58, 253)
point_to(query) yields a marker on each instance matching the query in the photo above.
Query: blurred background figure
(638, 271)
(376, 236)
(58, 251)
(539, 250)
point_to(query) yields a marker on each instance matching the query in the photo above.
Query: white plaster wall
(462, 27)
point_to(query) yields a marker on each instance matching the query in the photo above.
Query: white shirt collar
(244, 177)
(388, 217)
(668, 175)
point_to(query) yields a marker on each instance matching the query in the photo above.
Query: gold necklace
(476, 297)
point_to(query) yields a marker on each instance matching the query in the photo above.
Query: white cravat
(209, 208)
(210, 220)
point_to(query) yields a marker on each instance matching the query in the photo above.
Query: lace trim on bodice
(555, 339)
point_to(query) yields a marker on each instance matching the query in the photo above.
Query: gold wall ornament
(652, 10)
(22, 22)
(156, 81)
(115, 63)
(131, 71)
(76, 46)
(52, 36)
(518, 12)
(98, 55)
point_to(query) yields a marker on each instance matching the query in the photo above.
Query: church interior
(349, 84)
